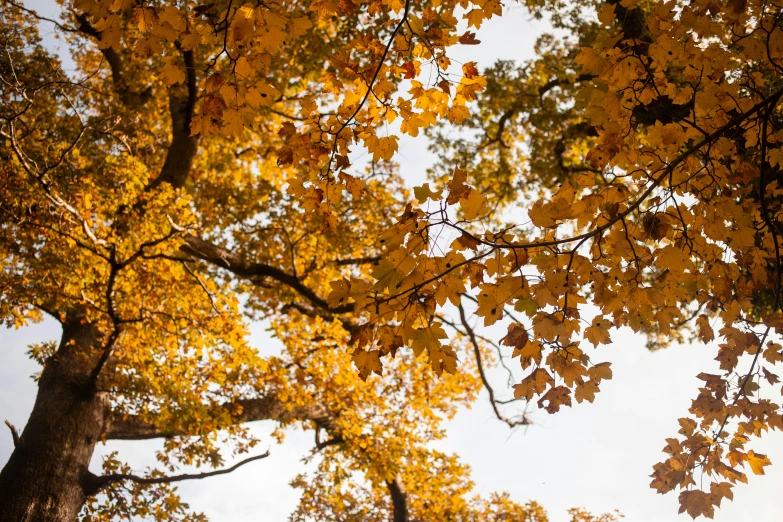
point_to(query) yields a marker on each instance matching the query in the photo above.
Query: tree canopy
(198, 172)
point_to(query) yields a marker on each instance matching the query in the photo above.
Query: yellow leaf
(457, 114)
(585, 391)
(600, 372)
(757, 462)
(262, 95)
(423, 193)
(606, 14)
(598, 333)
(174, 17)
(243, 67)
(367, 362)
(172, 72)
(443, 358)
(300, 26)
(534, 384)
(474, 205)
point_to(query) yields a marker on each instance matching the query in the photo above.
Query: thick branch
(358, 261)
(319, 444)
(183, 147)
(632, 21)
(128, 97)
(223, 258)
(94, 483)
(556, 82)
(132, 427)
(399, 499)
(517, 107)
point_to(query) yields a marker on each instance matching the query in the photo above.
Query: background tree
(202, 156)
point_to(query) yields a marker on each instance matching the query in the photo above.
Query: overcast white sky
(596, 455)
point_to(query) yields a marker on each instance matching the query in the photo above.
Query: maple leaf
(473, 205)
(172, 73)
(556, 397)
(474, 17)
(300, 26)
(443, 358)
(696, 503)
(606, 14)
(721, 490)
(457, 187)
(528, 306)
(585, 391)
(598, 332)
(600, 372)
(355, 186)
(770, 377)
(367, 362)
(534, 384)
(465, 241)
(757, 461)
(490, 305)
(469, 69)
(706, 333)
(568, 364)
(389, 341)
(382, 148)
(339, 293)
(428, 338)
(262, 95)
(543, 215)
(386, 275)
(423, 193)
(362, 335)
(517, 337)
(458, 114)
(531, 353)
(469, 39)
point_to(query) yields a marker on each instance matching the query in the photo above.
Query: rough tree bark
(43, 479)
(47, 478)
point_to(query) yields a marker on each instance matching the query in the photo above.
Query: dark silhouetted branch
(223, 258)
(477, 351)
(95, 483)
(128, 97)
(183, 147)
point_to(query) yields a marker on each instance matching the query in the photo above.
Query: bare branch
(14, 433)
(95, 483)
(477, 351)
(35, 14)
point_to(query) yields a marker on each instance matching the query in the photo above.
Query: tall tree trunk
(43, 480)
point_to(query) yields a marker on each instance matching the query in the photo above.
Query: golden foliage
(202, 157)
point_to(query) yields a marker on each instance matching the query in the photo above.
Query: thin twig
(104, 480)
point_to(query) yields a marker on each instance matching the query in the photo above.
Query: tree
(201, 159)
